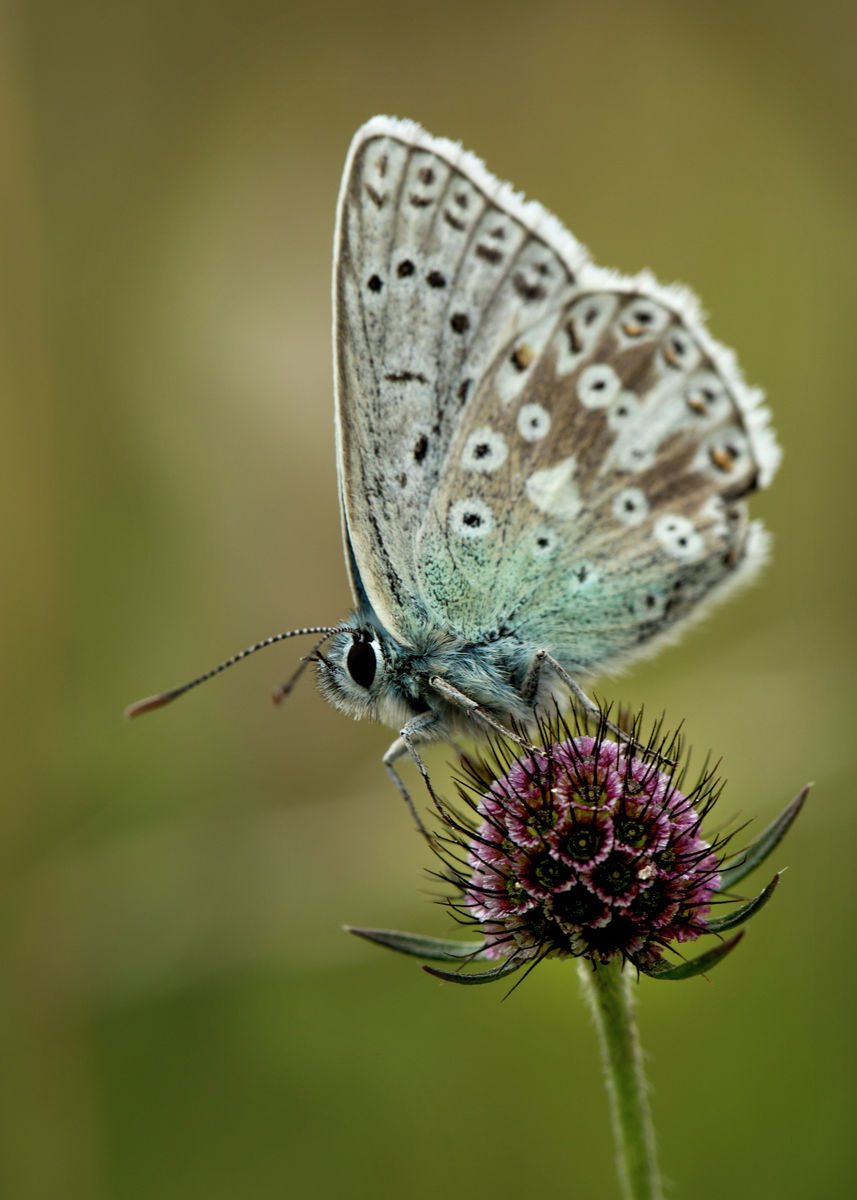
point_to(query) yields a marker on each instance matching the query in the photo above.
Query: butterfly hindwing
(592, 508)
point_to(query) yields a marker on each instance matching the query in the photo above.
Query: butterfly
(543, 465)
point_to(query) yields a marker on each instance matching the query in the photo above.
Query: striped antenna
(153, 702)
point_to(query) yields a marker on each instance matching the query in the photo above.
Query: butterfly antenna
(153, 702)
(283, 690)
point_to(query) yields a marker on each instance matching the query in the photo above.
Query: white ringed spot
(650, 605)
(635, 457)
(485, 450)
(622, 411)
(680, 352)
(544, 541)
(726, 454)
(470, 518)
(598, 386)
(706, 395)
(533, 422)
(630, 506)
(643, 319)
(679, 537)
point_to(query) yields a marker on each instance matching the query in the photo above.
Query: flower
(589, 847)
(586, 847)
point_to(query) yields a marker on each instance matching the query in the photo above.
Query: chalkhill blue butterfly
(543, 465)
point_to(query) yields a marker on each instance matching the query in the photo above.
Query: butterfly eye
(362, 663)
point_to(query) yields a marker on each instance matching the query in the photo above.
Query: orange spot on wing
(722, 459)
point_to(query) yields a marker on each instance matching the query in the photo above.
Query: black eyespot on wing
(362, 663)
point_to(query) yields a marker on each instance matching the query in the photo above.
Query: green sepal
(739, 865)
(744, 911)
(435, 949)
(694, 966)
(506, 968)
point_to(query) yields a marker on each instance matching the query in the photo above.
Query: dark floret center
(631, 832)
(590, 794)
(583, 843)
(577, 907)
(549, 873)
(540, 820)
(649, 903)
(615, 875)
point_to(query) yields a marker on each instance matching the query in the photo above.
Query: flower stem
(608, 990)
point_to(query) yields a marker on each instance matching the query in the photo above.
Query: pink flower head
(587, 848)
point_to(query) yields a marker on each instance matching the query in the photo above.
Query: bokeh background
(181, 1014)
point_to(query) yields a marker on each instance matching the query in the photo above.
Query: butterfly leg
(462, 700)
(405, 743)
(530, 686)
(529, 691)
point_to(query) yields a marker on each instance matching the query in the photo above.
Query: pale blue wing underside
(592, 500)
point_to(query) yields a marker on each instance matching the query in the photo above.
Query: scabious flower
(587, 847)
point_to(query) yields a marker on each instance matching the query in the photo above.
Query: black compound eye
(362, 663)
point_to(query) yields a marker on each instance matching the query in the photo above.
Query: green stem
(608, 991)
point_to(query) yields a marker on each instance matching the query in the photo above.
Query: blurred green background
(180, 1013)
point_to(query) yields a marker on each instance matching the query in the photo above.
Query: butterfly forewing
(435, 269)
